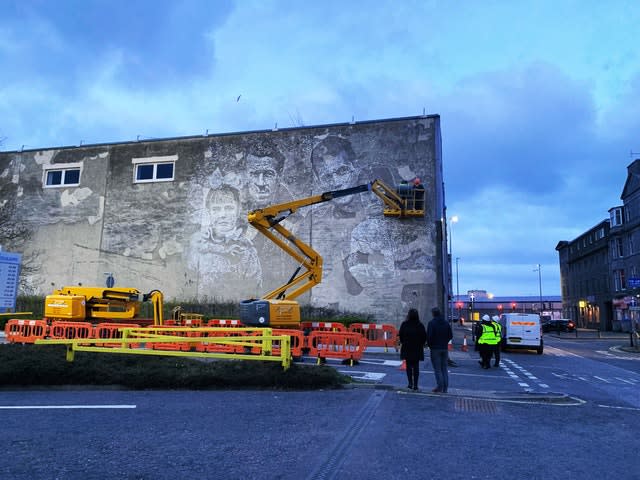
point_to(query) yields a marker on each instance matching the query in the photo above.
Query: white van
(522, 330)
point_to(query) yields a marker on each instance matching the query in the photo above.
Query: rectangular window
(615, 216)
(619, 249)
(618, 280)
(154, 169)
(61, 175)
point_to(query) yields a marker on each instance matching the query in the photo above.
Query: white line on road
(62, 407)
(630, 382)
(620, 408)
(603, 379)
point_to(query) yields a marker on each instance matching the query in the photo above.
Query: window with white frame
(600, 233)
(61, 175)
(619, 247)
(154, 169)
(615, 216)
(618, 280)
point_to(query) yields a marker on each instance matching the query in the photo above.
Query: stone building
(171, 214)
(600, 269)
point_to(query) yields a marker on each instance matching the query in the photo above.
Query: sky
(538, 100)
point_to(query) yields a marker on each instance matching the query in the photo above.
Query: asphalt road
(570, 413)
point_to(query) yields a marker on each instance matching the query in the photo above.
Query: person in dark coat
(439, 334)
(412, 336)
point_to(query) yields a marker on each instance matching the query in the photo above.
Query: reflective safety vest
(489, 335)
(498, 329)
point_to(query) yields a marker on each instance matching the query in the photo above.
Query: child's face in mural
(263, 177)
(223, 214)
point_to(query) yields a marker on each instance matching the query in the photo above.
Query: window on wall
(62, 175)
(615, 216)
(619, 248)
(154, 169)
(618, 280)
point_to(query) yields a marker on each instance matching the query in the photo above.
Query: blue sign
(633, 282)
(9, 276)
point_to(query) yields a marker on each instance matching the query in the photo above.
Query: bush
(46, 365)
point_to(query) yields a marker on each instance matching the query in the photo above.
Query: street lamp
(539, 270)
(452, 220)
(457, 288)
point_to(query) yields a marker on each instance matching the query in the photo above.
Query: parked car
(558, 325)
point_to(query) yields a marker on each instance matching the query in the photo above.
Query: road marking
(559, 352)
(61, 407)
(602, 379)
(620, 408)
(630, 382)
(525, 373)
(608, 354)
(372, 376)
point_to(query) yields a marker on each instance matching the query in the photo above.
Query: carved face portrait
(332, 162)
(223, 208)
(263, 176)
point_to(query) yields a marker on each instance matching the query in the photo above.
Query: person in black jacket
(412, 339)
(438, 335)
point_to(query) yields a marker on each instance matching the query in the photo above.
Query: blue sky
(538, 100)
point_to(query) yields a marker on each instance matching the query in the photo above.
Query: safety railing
(137, 340)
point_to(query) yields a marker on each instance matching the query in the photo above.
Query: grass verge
(40, 365)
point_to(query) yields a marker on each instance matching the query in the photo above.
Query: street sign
(9, 276)
(633, 282)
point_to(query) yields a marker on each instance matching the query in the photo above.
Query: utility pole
(539, 270)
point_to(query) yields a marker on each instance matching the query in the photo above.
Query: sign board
(9, 275)
(633, 282)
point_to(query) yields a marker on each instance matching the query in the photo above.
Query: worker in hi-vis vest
(495, 320)
(486, 341)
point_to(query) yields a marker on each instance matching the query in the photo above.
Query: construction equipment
(98, 303)
(278, 308)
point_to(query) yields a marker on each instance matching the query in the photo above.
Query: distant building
(600, 269)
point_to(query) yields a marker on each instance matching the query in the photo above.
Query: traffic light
(513, 305)
(500, 308)
(459, 305)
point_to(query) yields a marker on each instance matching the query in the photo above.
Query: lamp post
(457, 289)
(452, 220)
(539, 270)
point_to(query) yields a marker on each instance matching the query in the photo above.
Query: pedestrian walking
(413, 337)
(495, 320)
(439, 334)
(486, 341)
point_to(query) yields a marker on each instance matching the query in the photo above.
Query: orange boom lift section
(278, 307)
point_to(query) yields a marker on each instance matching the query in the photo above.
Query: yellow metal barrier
(256, 342)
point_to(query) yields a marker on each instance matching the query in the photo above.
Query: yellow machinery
(278, 307)
(97, 304)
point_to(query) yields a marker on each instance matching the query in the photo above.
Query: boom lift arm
(277, 308)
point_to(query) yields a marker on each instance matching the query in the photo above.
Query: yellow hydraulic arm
(277, 307)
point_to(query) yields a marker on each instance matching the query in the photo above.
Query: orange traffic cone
(450, 346)
(464, 347)
(404, 365)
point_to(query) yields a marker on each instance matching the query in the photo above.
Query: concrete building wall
(189, 237)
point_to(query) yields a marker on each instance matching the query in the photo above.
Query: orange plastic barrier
(308, 327)
(377, 334)
(219, 347)
(224, 323)
(348, 346)
(114, 330)
(173, 346)
(68, 330)
(25, 331)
